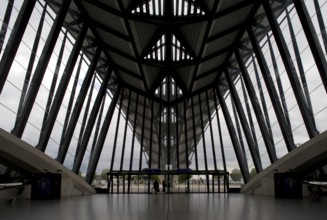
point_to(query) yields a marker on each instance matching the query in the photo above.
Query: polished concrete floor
(166, 206)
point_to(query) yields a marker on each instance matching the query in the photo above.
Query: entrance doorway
(185, 181)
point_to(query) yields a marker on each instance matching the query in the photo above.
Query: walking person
(163, 186)
(156, 186)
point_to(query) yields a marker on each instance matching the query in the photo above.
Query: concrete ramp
(302, 160)
(31, 160)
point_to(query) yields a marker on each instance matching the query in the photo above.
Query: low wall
(298, 160)
(32, 160)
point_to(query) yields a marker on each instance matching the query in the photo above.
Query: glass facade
(72, 94)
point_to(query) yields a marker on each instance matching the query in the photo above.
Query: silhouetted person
(156, 186)
(163, 186)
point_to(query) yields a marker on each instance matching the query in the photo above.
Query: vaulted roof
(185, 44)
(146, 41)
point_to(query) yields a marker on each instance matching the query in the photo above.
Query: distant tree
(253, 173)
(184, 177)
(219, 177)
(154, 177)
(236, 175)
(104, 174)
(139, 177)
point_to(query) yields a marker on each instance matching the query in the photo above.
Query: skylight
(151, 7)
(162, 90)
(158, 50)
(186, 8)
(180, 8)
(179, 52)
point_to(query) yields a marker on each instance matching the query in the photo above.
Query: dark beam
(17, 35)
(41, 69)
(313, 40)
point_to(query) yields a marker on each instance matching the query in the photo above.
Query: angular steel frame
(5, 22)
(246, 128)
(220, 134)
(40, 69)
(125, 130)
(16, 37)
(313, 40)
(91, 121)
(78, 107)
(62, 87)
(287, 133)
(290, 69)
(102, 136)
(169, 151)
(117, 129)
(238, 151)
(256, 108)
(300, 65)
(211, 132)
(31, 60)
